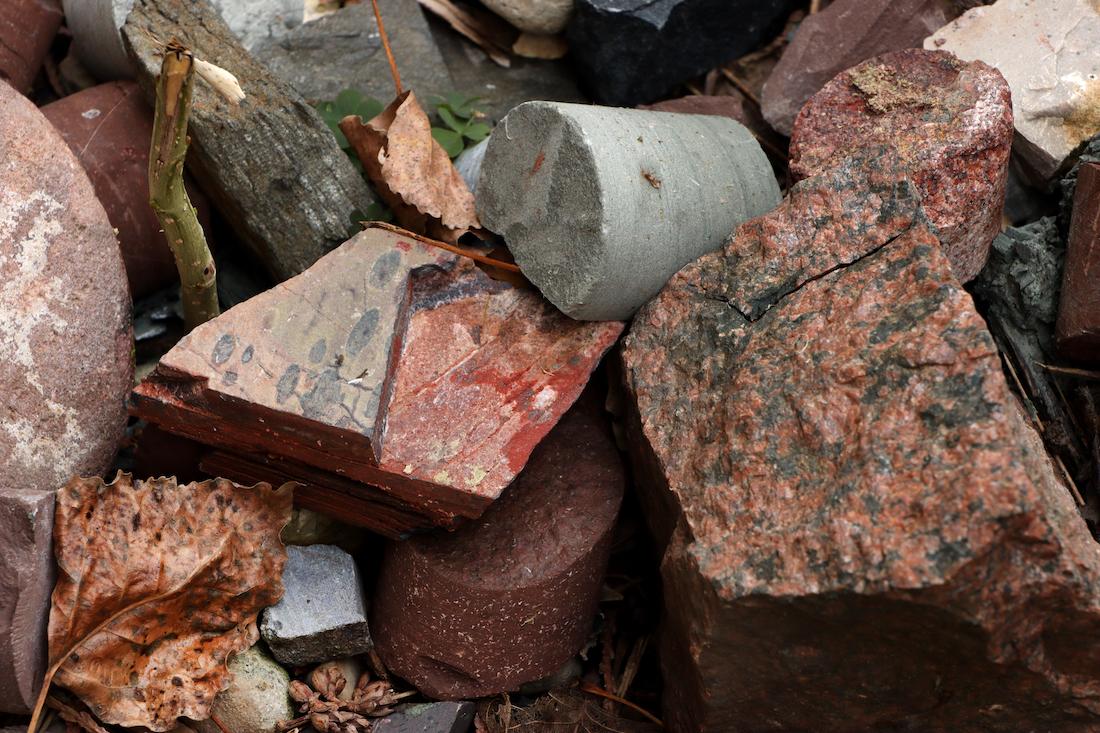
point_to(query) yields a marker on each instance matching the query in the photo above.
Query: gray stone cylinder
(600, 205)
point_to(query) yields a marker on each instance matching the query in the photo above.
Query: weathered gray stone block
(323, 613)
(600, 206)
(433, 717)
(26, 581)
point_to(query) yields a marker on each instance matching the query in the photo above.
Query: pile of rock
(860, 480)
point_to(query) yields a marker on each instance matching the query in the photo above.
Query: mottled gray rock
(257, 697)
(323, 613)
(343, 50)
(630, 52)
(26, 581)
(1049, 52)
(432, 717)
(500, 89)
(600, 205)
(258, 21)
(534, 16)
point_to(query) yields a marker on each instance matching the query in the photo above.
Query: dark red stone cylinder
(27, 28)
(1077, 333)
(109, 128)
(508, 598)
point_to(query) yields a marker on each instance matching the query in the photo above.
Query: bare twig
(386, 46)
(475, 256)
(221, 725)
(1070, 371)
(167, 194)
(593, 690)
(741, 86)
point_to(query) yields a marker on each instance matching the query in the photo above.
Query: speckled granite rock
(951, 124)
(860, 509)
(65, 335)
(507, 599)
(1049, 51)
(842, 35)
(432, 717)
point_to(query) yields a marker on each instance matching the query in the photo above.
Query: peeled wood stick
(167, 195)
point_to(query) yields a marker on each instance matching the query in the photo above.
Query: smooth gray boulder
(323, 613)
(600, 206)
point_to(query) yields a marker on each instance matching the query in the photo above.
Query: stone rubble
(541, 17)
(861, 511)
(434, 717)
(508, 598)
(323, 613)
(949, 122)
(1049, 52)
(842, 35)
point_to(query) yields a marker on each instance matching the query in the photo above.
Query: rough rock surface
(26, 581)
(842, 35)
(423, 377)
(544, 17)
(631, 52)
(260, 21)
(323, 613)
(108, 127)
(257, 698)
(343, 50)
(432, 717)
(270, 165)
(1049, 52)
(1078, 325)
(510, 597)
(860, 509)
(949, 122)
(498, 89)
(27, 28)
(65, 336)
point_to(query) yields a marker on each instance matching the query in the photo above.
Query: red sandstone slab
(27, 28)
(1078, 327)
(388, 363)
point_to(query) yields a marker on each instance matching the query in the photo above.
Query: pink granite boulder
(65, 359)
(949, 122)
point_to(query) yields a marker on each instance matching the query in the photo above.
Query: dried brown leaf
(535, 46)
(411, 171)
(482, 28)
(158, 585)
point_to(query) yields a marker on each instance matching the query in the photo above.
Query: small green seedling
(463, 126)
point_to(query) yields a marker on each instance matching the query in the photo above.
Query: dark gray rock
(26, 581)
(631, 52)
(433, 717)
(501, 89)
(343, 50)
(323, 613)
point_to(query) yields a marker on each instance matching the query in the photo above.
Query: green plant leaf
(450, 121)
(369, 108)
(348, 102)
(378, 212)
(449, 139)
(477, 131)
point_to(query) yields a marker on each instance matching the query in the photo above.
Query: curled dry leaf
(158, 585)
(411, 171)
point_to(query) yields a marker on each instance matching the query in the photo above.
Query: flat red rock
(27, 28)
(950, 124)
(65, 356)
(1078, 327)
(389, 372)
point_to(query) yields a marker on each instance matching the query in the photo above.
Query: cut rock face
(1078, 326)
(509, 598)
(1049, 52)
(950, 124)
(388, 364)
(837, 38)
(323, 614)
(631, 52)
(860, 508)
